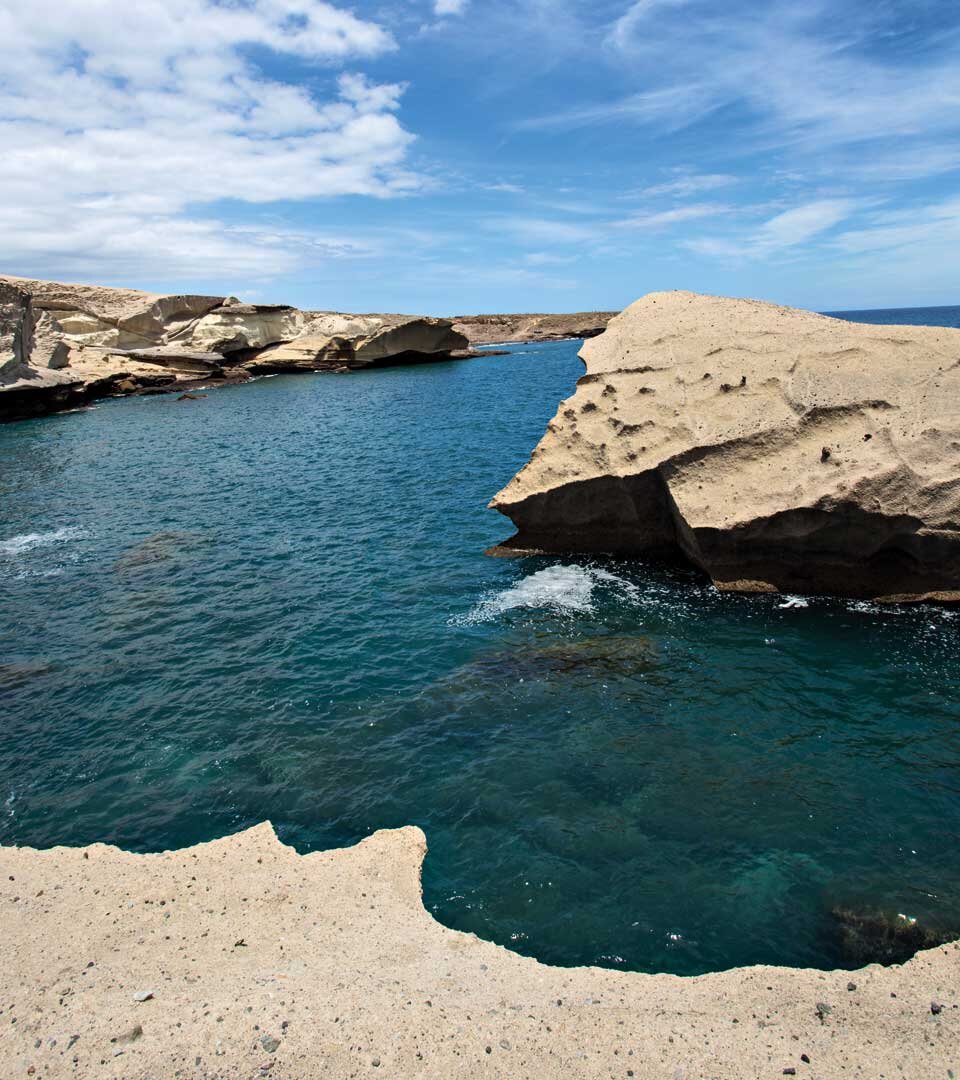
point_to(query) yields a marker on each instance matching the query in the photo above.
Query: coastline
(240, 957)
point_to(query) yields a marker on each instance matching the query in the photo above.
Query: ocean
(273, 602)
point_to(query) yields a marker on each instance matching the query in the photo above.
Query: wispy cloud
(905, 228)
(662, 218)
(449, 7)
(807, 77)
(688, 184)
(783, 231)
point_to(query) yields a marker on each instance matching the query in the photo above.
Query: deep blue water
(926, 316)
(274, 603)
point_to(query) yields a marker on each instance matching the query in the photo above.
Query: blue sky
(451, 156)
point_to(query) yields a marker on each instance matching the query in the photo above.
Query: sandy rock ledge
(772, 448)
(241, 958)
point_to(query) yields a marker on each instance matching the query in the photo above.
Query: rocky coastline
(242, 958)
(63, 345)
(774, 449)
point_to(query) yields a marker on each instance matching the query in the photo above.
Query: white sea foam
(566, 590)
(794, 602)
(18, 545)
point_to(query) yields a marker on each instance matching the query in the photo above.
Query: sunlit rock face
(773, 448)
(65, 344)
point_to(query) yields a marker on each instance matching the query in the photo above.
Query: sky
(459, 156)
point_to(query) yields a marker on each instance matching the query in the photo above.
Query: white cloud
(449, 7)
(119, 120)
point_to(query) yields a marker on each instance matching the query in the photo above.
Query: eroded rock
(353, 341)
(496, 329)
(78, 342)
(700, 428)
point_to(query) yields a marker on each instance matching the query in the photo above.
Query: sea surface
(274, 602)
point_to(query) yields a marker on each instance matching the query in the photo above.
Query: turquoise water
(273, 603)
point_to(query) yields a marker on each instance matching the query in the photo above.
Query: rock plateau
(774, 449)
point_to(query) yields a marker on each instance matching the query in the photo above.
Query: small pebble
(505, 1044)
(790, 1071)
(375, 1063)
(805, 1058)
(270, 1044)
(851, 986)
(936, 1008)
(143, 995)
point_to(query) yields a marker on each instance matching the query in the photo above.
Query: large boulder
(235, 327)
(353, 341)
(773, 448)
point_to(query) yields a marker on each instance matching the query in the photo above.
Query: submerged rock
(613, 654)
(876, 937)
(700, 429)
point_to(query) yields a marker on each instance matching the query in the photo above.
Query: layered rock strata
(773, 448)
(243, 958)
(62, 345)
(502, 329)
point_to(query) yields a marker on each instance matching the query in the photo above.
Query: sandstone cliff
(497, 329)
(773, 448)
(62, 345)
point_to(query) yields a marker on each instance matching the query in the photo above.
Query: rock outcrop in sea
(62, 345)
(775, 449)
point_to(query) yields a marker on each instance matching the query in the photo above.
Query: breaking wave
(564, 590)
(18, 545)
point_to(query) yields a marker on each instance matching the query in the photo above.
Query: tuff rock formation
(241, 958)
(62, 345)
(497, 329)
(773, 448)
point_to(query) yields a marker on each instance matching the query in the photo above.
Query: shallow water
(273, 603)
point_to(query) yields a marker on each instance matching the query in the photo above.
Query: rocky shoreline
(774, 449)
(242, 958)
(62, 345)
(514, 329)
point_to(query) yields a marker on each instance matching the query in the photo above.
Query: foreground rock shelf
(242, 958)
(772, 448)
